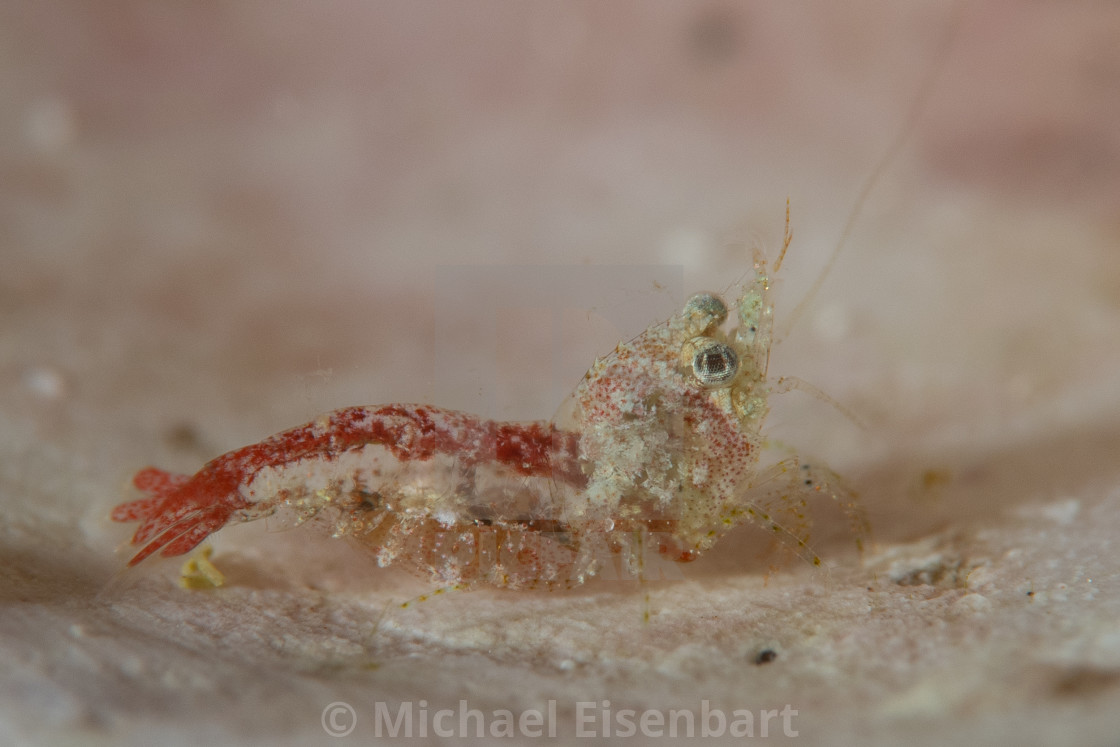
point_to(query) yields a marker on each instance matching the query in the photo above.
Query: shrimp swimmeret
(662, 452)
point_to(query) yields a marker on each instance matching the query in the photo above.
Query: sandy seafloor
(219, 222)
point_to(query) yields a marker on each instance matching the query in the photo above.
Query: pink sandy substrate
(221, 222)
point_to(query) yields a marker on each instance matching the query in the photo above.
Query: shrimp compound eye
(714, 364)
(707, 308)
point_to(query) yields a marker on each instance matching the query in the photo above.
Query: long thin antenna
(917, 109)
(785, 242)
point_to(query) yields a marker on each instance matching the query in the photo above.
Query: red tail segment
(175, 517)
(178, 511)
(158, 484)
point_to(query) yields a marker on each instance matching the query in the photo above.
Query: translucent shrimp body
(661, 439)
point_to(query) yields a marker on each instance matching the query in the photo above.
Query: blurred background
(218, 221)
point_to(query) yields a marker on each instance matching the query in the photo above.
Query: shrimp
(662, 439)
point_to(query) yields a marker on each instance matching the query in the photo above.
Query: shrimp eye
(707, 306)
(714, 364)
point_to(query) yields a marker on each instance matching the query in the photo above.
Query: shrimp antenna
(917, 109)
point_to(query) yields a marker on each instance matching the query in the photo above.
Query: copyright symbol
(339, 719)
